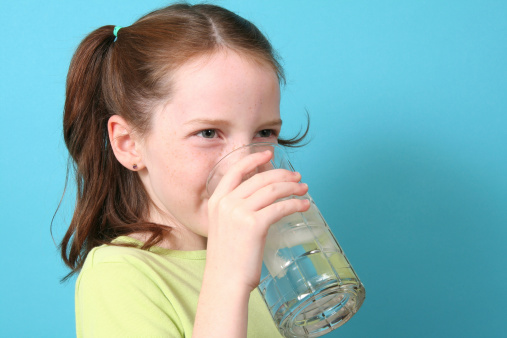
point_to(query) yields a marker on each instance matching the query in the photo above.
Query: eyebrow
(220, 122)
(211, 122)
(274, 123)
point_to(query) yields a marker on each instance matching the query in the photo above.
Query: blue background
(408, 158)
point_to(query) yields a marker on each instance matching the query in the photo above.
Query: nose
(229, 154)
(240, 143)
(236, 143)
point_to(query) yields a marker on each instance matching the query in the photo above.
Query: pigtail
(108, 201)
(85, 134)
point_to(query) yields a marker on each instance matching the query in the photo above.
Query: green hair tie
(115, 31)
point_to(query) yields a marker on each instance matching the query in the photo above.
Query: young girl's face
(218, 103)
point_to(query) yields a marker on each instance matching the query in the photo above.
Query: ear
(124, 143)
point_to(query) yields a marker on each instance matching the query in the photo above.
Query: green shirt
(129, 292)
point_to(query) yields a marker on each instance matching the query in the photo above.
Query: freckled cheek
(187, 169)
(191, 168)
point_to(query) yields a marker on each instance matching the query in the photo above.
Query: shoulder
(155, 261)
(117, 268)
(117, 292)
(111, 254)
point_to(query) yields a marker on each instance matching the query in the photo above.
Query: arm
(222, 310)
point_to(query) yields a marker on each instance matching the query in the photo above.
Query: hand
(240, 214)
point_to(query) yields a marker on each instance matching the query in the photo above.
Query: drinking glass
(307, 282)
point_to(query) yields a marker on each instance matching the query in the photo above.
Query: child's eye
(207, 133)
(266, 133)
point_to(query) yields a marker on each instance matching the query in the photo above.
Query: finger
(276, 211)
(235, 175)
(264, 179)
(269, 194)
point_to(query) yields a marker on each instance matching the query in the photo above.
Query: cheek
(178, 172)
(188, 171)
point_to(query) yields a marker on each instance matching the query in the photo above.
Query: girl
(149, 109)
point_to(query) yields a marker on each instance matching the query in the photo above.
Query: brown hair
(126, 77)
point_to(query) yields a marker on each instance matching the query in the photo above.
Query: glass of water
(307, 282)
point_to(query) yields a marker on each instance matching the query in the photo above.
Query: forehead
(224, 76)
(223, 61)
(220, 86)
